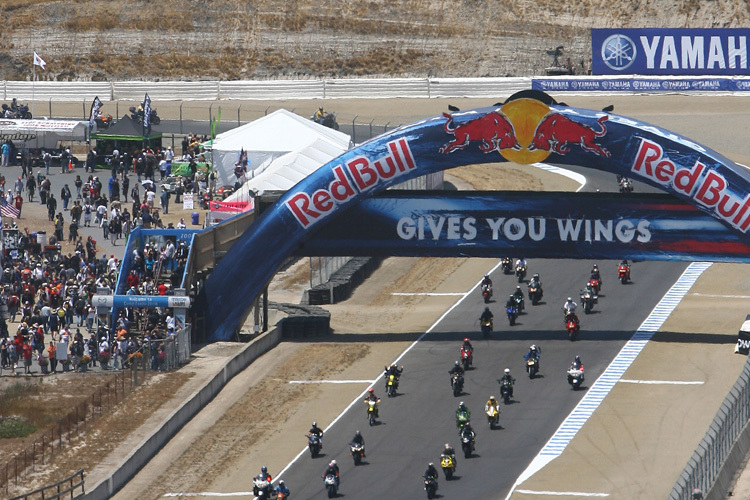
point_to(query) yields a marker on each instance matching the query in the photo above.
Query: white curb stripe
(668, 382)
(330, 381)
(430, 294)
(563, 493)
(613, 373)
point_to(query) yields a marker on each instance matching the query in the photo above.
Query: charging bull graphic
(556, 133)
(493, 130)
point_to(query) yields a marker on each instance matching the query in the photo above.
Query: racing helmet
(333, 462)
(315, 424)
(486, 308)
(264, 469)
(447, 445)
(457, 363)
(461, 404)
(281, 482)
(596, 267)
(578, 359)
(532, 347)
(507, 371)
(486, 276)
(371, 390)
(492, 398)
(570, 299)
(431, 464)
(358, 433)
(536, 275)
(466, 339)
(518, 287)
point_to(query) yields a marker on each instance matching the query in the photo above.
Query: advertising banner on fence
(743, 338)
(529, 127)
(670, 51)
(642, 84)
(547, 225)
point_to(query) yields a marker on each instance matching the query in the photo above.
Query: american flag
(8, 210)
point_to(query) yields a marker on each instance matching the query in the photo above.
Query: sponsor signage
(743, 338)
(529, 127)
(547, 225)
(641, 84)
(670, 51)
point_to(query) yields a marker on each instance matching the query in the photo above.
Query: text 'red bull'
(359, 174)
(699, 183)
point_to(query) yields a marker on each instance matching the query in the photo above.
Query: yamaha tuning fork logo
(618, 52)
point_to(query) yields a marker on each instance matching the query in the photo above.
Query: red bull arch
(528, 127)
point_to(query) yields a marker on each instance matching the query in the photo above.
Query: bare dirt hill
(258, 39)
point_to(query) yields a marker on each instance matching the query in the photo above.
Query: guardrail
(65, 488)
(722, 450)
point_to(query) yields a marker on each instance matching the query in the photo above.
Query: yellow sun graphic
(525, 115)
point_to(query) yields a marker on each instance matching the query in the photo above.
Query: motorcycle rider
(570, 309)
(534, 353)
(511, 302)
(431, 472)
(392, 370)
(372, 397)
(486, 282)
(448, 451)
(486, 315)
(467, 346)
(468, 431)
(624, 262)
(521, 262)
(463, 410)
(263, 476)
(457, 369)
(507, 379)
(595, 275)
(536, 281)
(492, 403)
(317, 431)
(577, 364)
(282, 488)
(333, 469)
(590, 289)
(320, 114)
(518, 295)
(360, 441)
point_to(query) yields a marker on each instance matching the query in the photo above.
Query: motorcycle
(262, 488)
(281, 495)
(535, 294)
(512, 315)
(328, 120)
(372, 411)
(20, 111)
(467, 445)
(487, 325)
(448, 465)
(467, 357)
(314, 444)
(461, 420)
(457, 383)
(623, 273)
(331, 486)
(520, 273)
(532, 366)
(137, 115)
(520, 304)
(571, 326)
(391, 385)
(506, 265)
(104, 121)
(505, 391)
(493, 416)
(626, 185)
(356, 451)
(430, 486)
(587, 301)
(596, 285)
(486, 293)
(575, 378)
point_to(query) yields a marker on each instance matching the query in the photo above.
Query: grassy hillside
(257, 39)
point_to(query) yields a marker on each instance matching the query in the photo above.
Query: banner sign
(231, 206)
(529, 127)
(743, 338)
(641, 84)
(670, 51)
(140, 301)
(546, 225)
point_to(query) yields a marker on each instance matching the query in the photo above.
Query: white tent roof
(43, 133)
(287, 170)
(269, 138)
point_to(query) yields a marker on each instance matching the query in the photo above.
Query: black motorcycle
(535, 294)
(506, 265)
(328, 120)
(430, 486)
(314, 444)
(467, 445)
(457, 383)
(137, 115)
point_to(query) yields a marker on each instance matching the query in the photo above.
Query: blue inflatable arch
(529, 127)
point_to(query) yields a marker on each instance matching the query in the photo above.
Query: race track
(417, 423)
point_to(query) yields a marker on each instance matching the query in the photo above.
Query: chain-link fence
(722, 450)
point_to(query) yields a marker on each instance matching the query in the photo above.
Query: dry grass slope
(238, 39)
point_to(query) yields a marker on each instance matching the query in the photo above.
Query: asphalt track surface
(415, 424)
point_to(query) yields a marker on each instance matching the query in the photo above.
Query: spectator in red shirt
(27, 351)
(162, 288)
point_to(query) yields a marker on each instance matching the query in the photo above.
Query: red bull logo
(525, 131)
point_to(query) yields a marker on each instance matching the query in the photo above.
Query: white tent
(285, 171)
(268, 138)
(42, 133)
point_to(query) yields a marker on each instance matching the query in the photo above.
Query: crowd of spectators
(50, 292)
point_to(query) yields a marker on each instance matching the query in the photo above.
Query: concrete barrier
(156, 441)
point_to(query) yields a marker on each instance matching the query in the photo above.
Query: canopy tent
(39, 134)
(125, 135)
(268, 138)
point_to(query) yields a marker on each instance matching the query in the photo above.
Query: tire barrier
(303, 321)
(344, 281)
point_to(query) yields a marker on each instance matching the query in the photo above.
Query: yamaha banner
(547, 225)
(670, 51)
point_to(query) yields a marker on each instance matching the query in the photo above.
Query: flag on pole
(8, 210)
(146, 116)
(95, 107)
(38, 61)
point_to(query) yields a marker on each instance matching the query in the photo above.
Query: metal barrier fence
(711, 459)
(66, 488)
